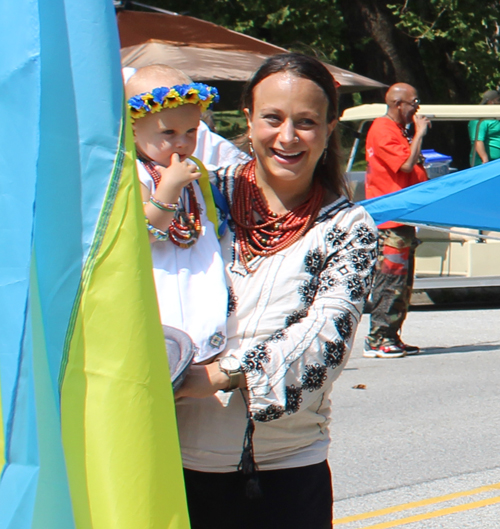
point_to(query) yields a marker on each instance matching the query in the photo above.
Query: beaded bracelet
(171, 208)
(155, 232)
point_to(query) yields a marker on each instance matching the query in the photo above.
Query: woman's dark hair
(327, 172)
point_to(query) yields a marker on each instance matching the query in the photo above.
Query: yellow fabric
(206, 190)
(118, 414)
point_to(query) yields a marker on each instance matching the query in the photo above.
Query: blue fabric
(61, 101)
(223, 207)
(19, 104)
(19, 136)
(467, 199)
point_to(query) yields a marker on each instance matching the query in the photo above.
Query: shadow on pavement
(484, 347)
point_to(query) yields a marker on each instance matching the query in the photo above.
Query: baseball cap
(489, 95)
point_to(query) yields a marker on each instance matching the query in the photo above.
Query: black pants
(292, 498)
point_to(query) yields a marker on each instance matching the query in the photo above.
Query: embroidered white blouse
(291, 324)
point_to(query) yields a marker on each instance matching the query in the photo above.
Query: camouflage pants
(392, 283)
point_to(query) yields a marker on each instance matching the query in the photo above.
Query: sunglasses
(414, 103)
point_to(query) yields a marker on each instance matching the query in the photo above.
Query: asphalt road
(419, 446)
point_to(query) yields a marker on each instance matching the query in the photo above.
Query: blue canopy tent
(468, 199)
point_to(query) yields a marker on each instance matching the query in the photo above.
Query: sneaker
(387, 350)
(410, 349)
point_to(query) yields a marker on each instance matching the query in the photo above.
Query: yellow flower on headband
(173, 99)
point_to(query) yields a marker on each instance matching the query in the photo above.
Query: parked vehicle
(448, 258)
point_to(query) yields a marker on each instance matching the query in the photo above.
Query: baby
(181, 213)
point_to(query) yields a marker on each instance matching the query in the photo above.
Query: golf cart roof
(434, 112)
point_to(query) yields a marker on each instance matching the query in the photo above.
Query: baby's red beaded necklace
(185, 227)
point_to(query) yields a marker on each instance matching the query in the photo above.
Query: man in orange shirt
(394, 162)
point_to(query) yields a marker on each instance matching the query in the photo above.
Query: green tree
(311, 27)
(448, 49)
(456, 41)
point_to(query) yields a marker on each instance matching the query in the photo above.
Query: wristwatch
(232, 368)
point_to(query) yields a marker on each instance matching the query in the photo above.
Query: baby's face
(173, 130)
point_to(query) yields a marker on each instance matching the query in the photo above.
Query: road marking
(422, 503)
(435, 514)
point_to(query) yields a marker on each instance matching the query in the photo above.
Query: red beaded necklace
(260, 231)
(185, 227)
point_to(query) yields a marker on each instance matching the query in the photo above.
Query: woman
(299, 260)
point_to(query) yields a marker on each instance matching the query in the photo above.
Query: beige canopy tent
(200, 63)
(203, 50)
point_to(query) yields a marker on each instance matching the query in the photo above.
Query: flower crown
(164, 97)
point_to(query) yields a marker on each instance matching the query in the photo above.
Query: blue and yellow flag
(88, 438)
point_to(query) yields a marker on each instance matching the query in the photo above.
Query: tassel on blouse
(248, 465)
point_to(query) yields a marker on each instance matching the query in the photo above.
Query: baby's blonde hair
(147, 78)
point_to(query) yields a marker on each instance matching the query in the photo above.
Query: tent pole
(352, 155)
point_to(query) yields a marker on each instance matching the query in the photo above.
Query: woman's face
(288, 127)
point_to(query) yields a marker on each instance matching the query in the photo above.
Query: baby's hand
(178, 174)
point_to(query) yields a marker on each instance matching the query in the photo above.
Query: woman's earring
(323, 157)
(250, 147)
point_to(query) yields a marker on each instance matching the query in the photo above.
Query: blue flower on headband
(204, 92)
(160, 93)
(137, 103)
(213, 93)
(183, 89)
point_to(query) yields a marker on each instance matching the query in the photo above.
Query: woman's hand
(203, 381)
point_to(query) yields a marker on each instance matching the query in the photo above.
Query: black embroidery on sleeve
(277, 336)
(308, 290)
(342, 263)
(336, 237)
(271, 413)
(355, 287)
(365, 235)
(295, 317)
(293, 399)
(314, 377)
(334, 353)
(344, 325)
(334, 260)
(313, 261)
(255, 357)
(326, 282)
(360, 260)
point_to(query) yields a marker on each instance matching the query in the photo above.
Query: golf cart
(448, 258)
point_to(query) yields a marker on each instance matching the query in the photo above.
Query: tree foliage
(463, 32)
(313, 27)
(453, 45)
(448, 49)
